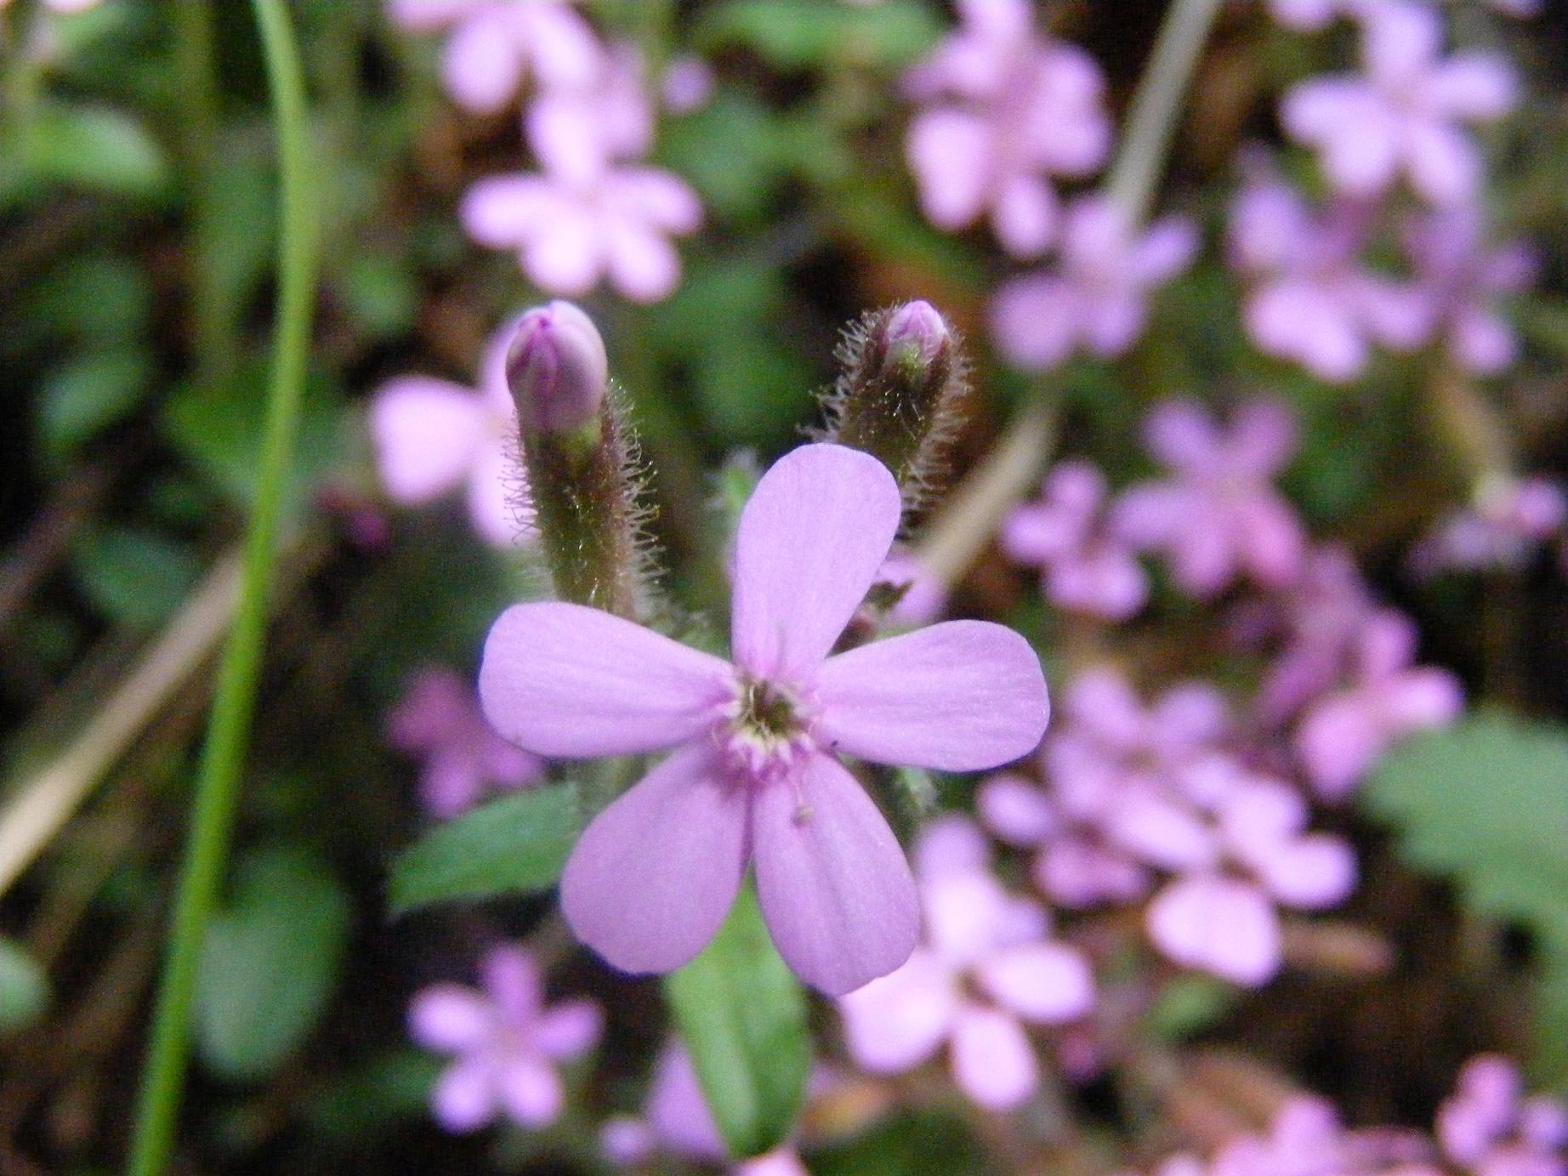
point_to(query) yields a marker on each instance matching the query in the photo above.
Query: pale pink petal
(482, 65)
(497, 497)
(563, 129)
(1036, 320)
(564, 680)
(950, 151)
(1475, 86)
(1182, 435)
(835, 888)
(530, 1091)
(951, 844)
(897, 1022)
(1423, 698)
(565, 52)
(959, 696)
(993, 1062)
(1047, 983)
(1217, 925)
(513, 981)
(506, 212)
(567, 257)
(450, 1018)
(428, 15)
(1024, 214)
(661, 198)
(1017, 811)
(809, 546)
(1337, 741)
(643, 265)
(653, 876)
(678, 1110)
(1165, 251)
(465, 1096)
(426, 433)
(568, 1029)
(1310, 873)
(1483, 341)
(1445, 166)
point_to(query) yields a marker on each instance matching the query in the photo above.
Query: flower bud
(898, 393)
(557, 370)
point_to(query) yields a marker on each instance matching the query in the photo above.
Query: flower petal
(1047, 983)
(809, 545)
(653, 875)
(959, 696)
(464, 1098)
(896, 1022)
(564, 680)
(835, 888)
(567, 1029)
(530, 1090)
(450, 1018)
(426, 433)
(992, 1060)
(1219, 925)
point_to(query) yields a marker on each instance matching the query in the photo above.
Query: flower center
(768, 728)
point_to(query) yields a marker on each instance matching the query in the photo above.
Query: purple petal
(497, 497)
(530, 1090)
(960, 696)
(464, 1098)
(897, 1022)
(1035, 320)
(1016, 811)
(566, 256)
(643, 264)
(950, 153)
(1046, 983)
(654, 875)
(482, 66)
(505, 212)
(993, 1062)
(1217, 925)
(1475, 86)
(1445, 166)
(810, 543)
(564, 680)
(835, 888)
(513, 981)
(426, 433)
(450, 1018)
(1024, 215)
(1310, 873)
(568, 1029)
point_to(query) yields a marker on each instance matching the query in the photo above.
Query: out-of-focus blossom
(1510, 520)
(921, 596)
(494, 45)
(1464, 280)
(1342, 736)
(985, 970)
(1096, 296)
(1310, 297)
(438, 720)
(1405, 114)
(1086, 566)
(754, 775)
(1007, 109)
(1134, 794)
(1308, 15)
(571, 236)
(578, 134)
(432, 436)
(506, 1041)
(1218, 517)
(1490, 1128)
(687, 84)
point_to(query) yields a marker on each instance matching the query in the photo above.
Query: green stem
(213, 309)
(228, 730)
(1152, 120)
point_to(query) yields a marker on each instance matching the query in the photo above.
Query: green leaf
(95, 148)
(389, 1088)
(137, 578)
(90, 393)
(807, 34)
(911, 1143)
(269, 963)
(1485, 803)
(742, 1016)
(516, 844)
(24, 989)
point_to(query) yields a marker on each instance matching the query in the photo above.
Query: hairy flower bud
(898, 392)
(557, 370)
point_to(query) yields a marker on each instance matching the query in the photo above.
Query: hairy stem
(234, 703)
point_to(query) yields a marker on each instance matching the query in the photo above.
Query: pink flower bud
(915, 330)
(557, 369)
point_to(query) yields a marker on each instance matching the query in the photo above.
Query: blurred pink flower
(571, 236)
(432, 436)
(1464, 280)
(506, 1042)
(1006, 110)
(1404, 115)
(1218, 517)
(1310, 297)
(687, 85)
(1342, 735)
(579, 133)
(1509, 522)
(439, 721)
(494, 45)
(1086, 566)
(1488, 1127)
(755, 775)
(985, 970)
(1096, 295)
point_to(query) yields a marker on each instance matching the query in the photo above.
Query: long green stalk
(234, 703)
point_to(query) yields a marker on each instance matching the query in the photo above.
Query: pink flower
(1491, 1129)
(1508, 523)
(432, 436)
(1404, 116)
(439, 721)
(755, 776)
(1310, 296)
(495, 44)
(985, 972)
(571, 235)
(506, 1042)
(1008, 110)
(1086, 566)
(1342, 736)
(1464, 280)
(1095, 297)
(580, 132)
(1219, 517)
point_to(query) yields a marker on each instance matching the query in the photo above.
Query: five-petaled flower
(754, 776)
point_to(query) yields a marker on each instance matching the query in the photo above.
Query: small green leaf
(389, 1088)
(94, 148)
(270, 963)
(742, 1016)
(24, 989)
(515, 844)
(805, 34)
(90, 393)
(135, 577)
